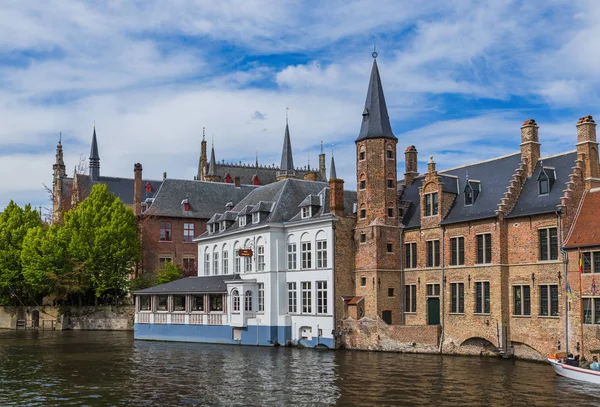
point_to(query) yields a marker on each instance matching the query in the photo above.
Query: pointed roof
(376, 122)
(94, 150)
(212, 166)
(287, 161)
(332, 174)
(94, 161)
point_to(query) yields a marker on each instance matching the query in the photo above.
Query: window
(306, 212)
(548, 241)
(165, 231)
(256, 217)
(590, 262)
(363, 213)
(410, 255)
(207, 263)
(215, 302)
(321, 297)
(197, 303)
(363, 237)
(242, 220)
(468, 196)
(162, 303)
(457, 249)
(248, 301)
(389, 153)
(189, 265)
(261, 297)
(145, 302)
(235, 301)
(223, 225)
(361, 155)
(292, 300)
(521, 300)
(390, 212)
(543, 184)
(390, 183)
(431, 204)
(188, 232)
(179, 303)
(433, 290)
(591, 310)
(248, 264)
(321, 254)
(363, 184)
(260, 258)
(482, 297)
(306, 297)
(363, 281)
(215, 263)
(225, 262)
(457, 298)
(433, 253)
(306, 255)
(390, 247)
(164, 260)
(410, 298)
(549, 300)
(390, 291)
(291, 256)
(484, 248)
(236, 261)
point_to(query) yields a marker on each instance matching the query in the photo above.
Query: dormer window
(186, 205)
(306, 212)
(471, 191)
(223, 225)
(546, 180)
(256, 217)
(242, 221)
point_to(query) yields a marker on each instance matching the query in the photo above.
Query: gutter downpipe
(402, 289)
(566, 277)
(277, 288)
(335, 330)
(443, 290)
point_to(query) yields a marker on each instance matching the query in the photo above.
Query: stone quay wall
(105, 318)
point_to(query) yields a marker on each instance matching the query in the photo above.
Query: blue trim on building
(251, 335)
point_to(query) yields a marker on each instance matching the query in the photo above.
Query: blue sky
(459, 78)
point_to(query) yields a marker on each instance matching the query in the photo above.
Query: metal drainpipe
(443, 290)
(335, 326)
(276, 308)
(566, 277)
(402, 289)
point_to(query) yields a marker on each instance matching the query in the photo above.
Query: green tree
(15, 222)
(104, 243)
(170, 272)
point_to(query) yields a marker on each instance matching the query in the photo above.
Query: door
(433, 311)
(387, 317)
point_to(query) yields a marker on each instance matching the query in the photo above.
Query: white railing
(180, 319)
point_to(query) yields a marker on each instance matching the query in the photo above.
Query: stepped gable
(530, 202)
(586, 229)
(205, 198)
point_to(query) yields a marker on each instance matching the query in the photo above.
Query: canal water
(75, 368)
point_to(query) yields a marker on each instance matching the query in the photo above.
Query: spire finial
(374, 54)
(203, 133)
(321, 146)
(60, 137)
(286, 114)
(256, 157)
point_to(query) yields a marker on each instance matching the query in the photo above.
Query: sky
(459, 77)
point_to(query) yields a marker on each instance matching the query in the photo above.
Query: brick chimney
(137, 189)
(431, 165)
(237, 182)
(587, 151)
(530, 146)
(336, 196)
(410, 165)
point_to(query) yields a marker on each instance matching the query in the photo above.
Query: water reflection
(109, 368)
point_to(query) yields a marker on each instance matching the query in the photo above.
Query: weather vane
(374, 54)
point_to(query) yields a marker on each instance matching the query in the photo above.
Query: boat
(575, 373)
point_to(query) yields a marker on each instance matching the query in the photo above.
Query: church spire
(94, 170)
(212, 166)
(375, 122)
(332, 174)
(286, 169)
(59, 164)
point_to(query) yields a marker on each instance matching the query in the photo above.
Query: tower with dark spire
(59, 163)
(94, 166)
(211, 174)
(377, 227)
(322, 169)
(60, 173)
(286, 169)
(203, 158)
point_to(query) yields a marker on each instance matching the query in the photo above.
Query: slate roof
(266, 174)
(310, 200)
(586, 230)
(376, 122)
(205, 198)
(193, 285)
(530, 201)
(121, 187)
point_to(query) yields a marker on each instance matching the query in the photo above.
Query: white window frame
(206, 263)
(292, 256)
(248, 301)
(248, 264)
(306, 212)
(237, 261)
(306, 254)
(306, 297)
(260, 258)
(261, 297)
(242, 221)
(321, 254)
(256, 217)
(292, 298)
(321, 297)
(235, 301)
(225, 261)
(215, 262)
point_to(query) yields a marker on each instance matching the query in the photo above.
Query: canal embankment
(102, 318)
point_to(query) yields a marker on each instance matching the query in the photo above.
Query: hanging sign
(245, 252)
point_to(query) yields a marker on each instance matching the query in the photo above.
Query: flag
(593, 290)
(568, 290)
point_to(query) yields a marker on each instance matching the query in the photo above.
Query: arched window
(362, 183)
(247, 260)
(248, 301)
(260, 254)
(235, 301)
(237, 268)
(207, 262)
(361, 154)
(321, 241)
(215, 261)
(389, 152)
(306, 251)
(292, 263)
(225, 260)
(363, 211)
(390, 210)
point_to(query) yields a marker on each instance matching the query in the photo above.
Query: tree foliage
(169, 272)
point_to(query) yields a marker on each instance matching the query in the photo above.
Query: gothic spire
(332, 174)
(212, 166)
(59, 164)
(287, 161)
(94, 166)
(375, 122)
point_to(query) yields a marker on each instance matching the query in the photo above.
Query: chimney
(229, 206)
(237, 182)
(336, 196)
(410, 165)
(310, 176)
(530, 146)
(137, 189)
(164, 175)
(587, 151)
(431, 165)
